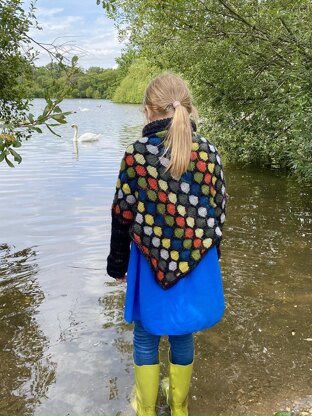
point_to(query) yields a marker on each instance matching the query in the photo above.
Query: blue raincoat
(194, 303)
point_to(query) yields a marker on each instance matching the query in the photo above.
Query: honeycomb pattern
(174, 221)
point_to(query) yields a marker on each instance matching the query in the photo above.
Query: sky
(90, 33)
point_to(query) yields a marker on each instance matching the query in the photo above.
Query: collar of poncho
(160, 127)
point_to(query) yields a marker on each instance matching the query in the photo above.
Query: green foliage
(17, 57)
(125, 84)
(92, 83)
(249, 64)
(132, 87)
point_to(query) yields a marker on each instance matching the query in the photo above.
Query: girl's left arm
(220, 198)
(123, 211)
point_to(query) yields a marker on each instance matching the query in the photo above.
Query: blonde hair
(160, 95)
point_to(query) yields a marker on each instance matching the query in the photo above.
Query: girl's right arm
(122, 213)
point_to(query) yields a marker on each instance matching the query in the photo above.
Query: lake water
(64, 347)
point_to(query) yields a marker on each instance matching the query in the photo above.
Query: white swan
(86, 137)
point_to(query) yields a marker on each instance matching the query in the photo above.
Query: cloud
(42, 12)
(84, 26)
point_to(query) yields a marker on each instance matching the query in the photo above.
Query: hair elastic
(175, 104)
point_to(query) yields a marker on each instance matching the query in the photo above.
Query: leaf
(52, 131)
(2, 156)
(37, 129)
(59, 119)
(17, 143)
(74, 60)
(41, 119)
(17, 157)
(282, 414)
(9, 162)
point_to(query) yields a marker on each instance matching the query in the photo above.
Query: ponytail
(179, 139)
(167, 94)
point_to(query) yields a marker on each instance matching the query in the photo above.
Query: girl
(169, 203)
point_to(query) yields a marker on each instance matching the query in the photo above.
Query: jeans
(145, 347)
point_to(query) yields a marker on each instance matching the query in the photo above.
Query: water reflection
(258, 358)
(26, 370)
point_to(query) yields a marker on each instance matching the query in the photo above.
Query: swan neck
(76, 133)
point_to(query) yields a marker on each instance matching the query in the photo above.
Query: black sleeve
(123, 211)
(118, 258)
(220, 198)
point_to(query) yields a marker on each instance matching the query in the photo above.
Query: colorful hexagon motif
(187, 243)
(181, 210)
(174, 255)
(166, 242)
(201, 166)
(189, 232)
(149, 219)
(131, 172)
(183, 266)
(190, 221)
(139, 158)
(180, 221)
(162, 196)
(205, 189)
(152, 195)
(156, 241)
(160, 275)
(185, 187)
(158, 231)
(173, 265)
(171, 209)
(161, 208)
(211, 167)
(198, 177)
(163, 184)
(140, 170)
(175, 222)
(193, 155)
(142, 182)
(153, 183)
(207, 242)
(152, 171)
(129, 160)
(169, 220)
(197, 242)
(199, 232)
(195, 254)
(203, 155)
(126, 188)
(179, 232)
(140, 206)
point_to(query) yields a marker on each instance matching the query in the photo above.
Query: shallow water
(64, 347)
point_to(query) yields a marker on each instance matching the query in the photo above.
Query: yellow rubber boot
(146, 389)
(176, 388)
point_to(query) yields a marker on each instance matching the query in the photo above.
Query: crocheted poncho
(174, 221)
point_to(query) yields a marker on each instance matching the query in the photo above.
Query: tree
(17, 57)
(249, 64)
(133, 85)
